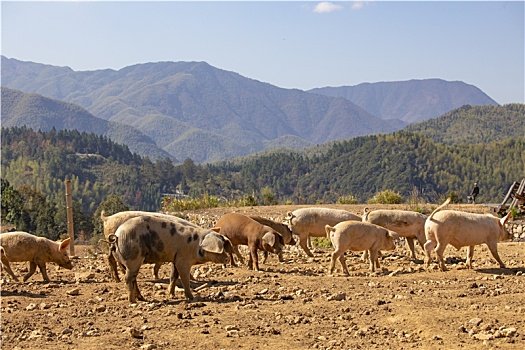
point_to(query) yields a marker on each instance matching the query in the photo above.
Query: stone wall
(517, 228)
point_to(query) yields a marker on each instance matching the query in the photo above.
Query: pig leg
(303, 243)
(173, 279)
(156, 269)
(254, 258)
(364, 257)
(184, 272)
(428, 247)
(373, 259)
(493, 247)
(342, 261)
(265, 257)
(440, 249)
(32, 269)
(129, 278)
(7, 267)
(43, 271)
(137, 291)
(338, 254)
(470, 254)
(410, 243)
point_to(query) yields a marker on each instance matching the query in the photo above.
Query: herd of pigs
(137, 237)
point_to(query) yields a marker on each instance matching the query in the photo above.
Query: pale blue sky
(294, 44)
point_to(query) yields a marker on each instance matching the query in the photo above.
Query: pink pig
(23, 246)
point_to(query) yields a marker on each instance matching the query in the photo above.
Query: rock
(84, 276)
(75, 291)
(135, 333)
(508, 332)
(483, 336)
(337, 297)
(475, 321)
(100, 308)
(31, 307)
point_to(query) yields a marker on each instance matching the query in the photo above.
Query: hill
(40, 113)
(410, 101)
(193, 110)
(475, 124)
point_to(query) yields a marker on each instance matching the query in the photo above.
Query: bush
(350, 199)
(386, 197)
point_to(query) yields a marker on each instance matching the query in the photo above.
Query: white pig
(22, 246)
(462, 229)
(147, 239)
(405, 223)
(359, 236)
(310, 222)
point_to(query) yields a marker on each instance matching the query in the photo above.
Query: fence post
(69, 208)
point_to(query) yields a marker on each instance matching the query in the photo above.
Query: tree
(12, 207)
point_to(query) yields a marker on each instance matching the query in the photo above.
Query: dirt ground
(289, 305)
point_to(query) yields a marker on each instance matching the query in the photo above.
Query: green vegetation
(386, 197)
(403, 166)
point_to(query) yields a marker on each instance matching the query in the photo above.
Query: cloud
(357, 5)
(326, 7)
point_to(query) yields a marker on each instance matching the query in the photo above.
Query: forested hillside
(475, 124)
(37, 163)
(40, 113)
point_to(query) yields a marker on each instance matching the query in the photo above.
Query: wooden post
(69, 208)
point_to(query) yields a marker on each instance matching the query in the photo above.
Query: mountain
(478, 124)
(42, 113)
(193, 110)
(410, 101)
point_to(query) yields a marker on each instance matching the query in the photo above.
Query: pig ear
(269, 238)
(392, 234)
(504, 219)
(228, 246)
(216, 229)
(64, 244)
(213, 243)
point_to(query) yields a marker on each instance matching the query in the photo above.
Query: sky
(292, 44)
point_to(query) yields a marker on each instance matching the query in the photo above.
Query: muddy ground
(290, 305)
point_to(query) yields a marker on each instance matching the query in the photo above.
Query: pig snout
(67, 265)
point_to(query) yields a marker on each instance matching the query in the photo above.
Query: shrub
(350, 199)
(386, 197)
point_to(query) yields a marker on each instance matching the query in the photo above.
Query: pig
(306, 222)
(3, 257)
(408, 224)
(358, 236)
(281, 228)
(462, 229)
(240, 229)
(111, 224)
(152, 239)
(21, 246)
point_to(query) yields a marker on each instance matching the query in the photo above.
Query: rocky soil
(289, 305)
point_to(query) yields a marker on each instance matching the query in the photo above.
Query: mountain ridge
(388, 100)
(40, 113)
(185, 107)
